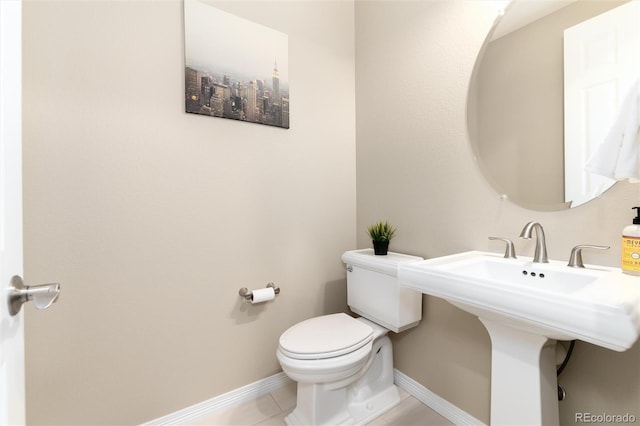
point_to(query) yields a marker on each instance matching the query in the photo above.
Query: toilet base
(366, 398)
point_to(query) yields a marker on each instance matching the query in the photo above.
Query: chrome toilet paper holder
(248, 295)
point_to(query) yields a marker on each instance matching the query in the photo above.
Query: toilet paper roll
(262, 295)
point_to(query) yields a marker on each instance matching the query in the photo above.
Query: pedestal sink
(526, 307)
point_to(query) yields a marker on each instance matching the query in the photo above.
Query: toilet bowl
(325, 349)
(344, 365)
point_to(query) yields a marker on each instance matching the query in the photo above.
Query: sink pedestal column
(523, 377)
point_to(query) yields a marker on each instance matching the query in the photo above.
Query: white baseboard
(235, 397)
(261, 387)
(440, 405)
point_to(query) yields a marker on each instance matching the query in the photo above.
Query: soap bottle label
(631, 253)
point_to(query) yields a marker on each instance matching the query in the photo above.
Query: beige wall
(415, 168)
(152, 219)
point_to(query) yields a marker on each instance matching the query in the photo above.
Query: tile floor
(272, 408)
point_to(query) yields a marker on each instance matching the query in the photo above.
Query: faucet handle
(575, 260)
(510, 251)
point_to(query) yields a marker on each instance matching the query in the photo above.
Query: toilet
(344, 365)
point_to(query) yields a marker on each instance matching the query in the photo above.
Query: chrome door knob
(42, 295)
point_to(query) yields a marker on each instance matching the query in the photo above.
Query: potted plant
(381, 233)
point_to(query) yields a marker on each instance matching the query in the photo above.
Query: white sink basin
(526, 307)
(511, 273)
(596, 304)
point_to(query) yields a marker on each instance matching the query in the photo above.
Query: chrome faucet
(540, 255)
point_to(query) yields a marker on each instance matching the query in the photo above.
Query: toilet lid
(325, 337)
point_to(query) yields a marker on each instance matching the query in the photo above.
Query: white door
(12, 388)
(601, 62)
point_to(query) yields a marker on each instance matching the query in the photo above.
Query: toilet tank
(373, 290)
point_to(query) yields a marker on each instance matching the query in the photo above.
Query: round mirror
(540, 104)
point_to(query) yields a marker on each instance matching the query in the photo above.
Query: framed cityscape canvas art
(234, 68)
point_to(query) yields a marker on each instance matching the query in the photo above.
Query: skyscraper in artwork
(276, 83)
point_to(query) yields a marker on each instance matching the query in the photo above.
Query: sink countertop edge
(499, 300)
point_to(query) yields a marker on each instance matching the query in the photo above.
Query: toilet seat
(324, 337)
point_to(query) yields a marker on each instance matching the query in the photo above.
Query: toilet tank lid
(325, 337)
(387, 264)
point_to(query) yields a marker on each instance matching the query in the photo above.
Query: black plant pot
(380, 247)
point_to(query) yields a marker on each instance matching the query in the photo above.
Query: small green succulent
(381, 231)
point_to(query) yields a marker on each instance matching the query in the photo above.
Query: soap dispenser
(631, 246)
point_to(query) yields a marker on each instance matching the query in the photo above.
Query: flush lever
(42, 295)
